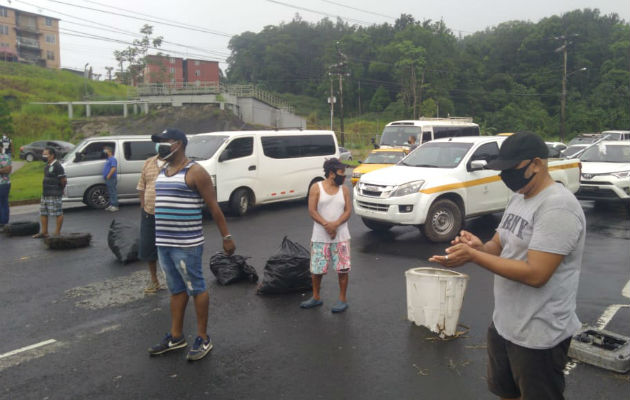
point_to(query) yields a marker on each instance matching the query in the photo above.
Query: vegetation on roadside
(508, 77)
(21, 85)
(26, 182)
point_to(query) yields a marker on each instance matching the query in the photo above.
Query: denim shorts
(147, 251)
(183, 269)
(334, 255)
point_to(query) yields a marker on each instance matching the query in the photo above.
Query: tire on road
(97, 197)
(23, 228)
(376, 226)
(68, 241)
(241, 202)
(443, 222)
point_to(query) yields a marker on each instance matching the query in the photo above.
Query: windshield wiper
(425, 166)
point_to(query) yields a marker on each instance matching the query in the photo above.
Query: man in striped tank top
(181, 189)
(330, 207)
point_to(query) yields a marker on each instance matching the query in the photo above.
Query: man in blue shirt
(110, 176)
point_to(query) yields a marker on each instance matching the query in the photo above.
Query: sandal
(40, 236)
(311, 303)
(339, 307)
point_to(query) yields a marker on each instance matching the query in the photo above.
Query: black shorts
(147, 251)
(515, 371)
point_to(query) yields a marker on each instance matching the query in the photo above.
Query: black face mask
(339, 179)
(514, 178)
(164, 150)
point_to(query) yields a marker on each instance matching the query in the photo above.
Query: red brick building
(163, 69)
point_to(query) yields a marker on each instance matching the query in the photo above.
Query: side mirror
(477, 165)
(224, 156)
(360, 162)
(77, 157)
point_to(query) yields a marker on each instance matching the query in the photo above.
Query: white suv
(606, 172)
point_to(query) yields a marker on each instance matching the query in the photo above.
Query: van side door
(130, 162)
(237, 167)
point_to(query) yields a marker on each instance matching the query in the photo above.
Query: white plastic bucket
(434, 298)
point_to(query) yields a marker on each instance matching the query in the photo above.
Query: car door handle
(251, 168)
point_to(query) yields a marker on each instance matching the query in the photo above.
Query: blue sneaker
(167, 344)
(199, 349)
(311, 303)
(339, 307)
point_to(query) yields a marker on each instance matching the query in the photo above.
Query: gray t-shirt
(551, 222)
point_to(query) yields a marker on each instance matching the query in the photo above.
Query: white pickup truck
(440, 184)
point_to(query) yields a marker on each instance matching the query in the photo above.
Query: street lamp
(563, 102)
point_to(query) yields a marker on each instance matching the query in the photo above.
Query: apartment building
(29, 38)
(175, 70)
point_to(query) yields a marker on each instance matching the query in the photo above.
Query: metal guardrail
(199, 88)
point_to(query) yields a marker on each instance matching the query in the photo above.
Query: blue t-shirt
(109, 163)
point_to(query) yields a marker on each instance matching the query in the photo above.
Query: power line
(359, 9)
(319, 12)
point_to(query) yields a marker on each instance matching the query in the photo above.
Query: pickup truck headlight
(621, 174)
(407, 188)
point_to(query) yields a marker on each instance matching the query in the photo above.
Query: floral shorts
(324, 255)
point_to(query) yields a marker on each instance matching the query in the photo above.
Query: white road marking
(625, 292)
(27, 348)
(608, 315)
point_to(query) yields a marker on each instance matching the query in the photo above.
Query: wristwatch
(227, 237)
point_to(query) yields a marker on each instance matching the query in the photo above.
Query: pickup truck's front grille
(373, 206)
(371, 193)
(377, 191)
(595, 183)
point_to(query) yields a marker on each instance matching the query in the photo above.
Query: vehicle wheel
(376, 225)
(443, 222)
(97, 197)
(22, 228)
(240, 202)
(68, 241)
(29, 157)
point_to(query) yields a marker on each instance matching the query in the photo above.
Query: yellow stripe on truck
(481, 181)
(460, 185)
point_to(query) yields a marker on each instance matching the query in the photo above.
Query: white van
(84, 168)
(396, 134)
(258, 167)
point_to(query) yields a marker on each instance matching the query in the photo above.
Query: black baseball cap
(170, 133)
(518, 147)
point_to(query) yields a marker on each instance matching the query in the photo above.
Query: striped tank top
(177, 211)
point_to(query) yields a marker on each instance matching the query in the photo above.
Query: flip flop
(311, 303)
(40, 236)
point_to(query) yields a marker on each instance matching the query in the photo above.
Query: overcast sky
(215, 21)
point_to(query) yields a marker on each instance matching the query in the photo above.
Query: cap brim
(157, 137)
(501, 165)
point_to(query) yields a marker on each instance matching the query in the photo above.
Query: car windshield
(384, 157)
(583, 140)
(571, 150)
(399, 135)
(437, 155)
(203, 147)
(607, 153)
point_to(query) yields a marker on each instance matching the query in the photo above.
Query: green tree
(6, 122)
(136, 55)
(380, 100)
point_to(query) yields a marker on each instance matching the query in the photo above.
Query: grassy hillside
(20, 85)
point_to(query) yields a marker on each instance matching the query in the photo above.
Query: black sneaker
(167, 344)
(199, 349)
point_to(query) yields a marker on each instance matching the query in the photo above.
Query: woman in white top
(330, 207)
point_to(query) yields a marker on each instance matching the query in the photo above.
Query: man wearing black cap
(181, 189)
(536, 256)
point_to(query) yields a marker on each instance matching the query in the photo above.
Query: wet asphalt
(266, 347)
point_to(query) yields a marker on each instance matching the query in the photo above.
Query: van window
(453, 131)
(238, 148)
(135, 151)
(94, 151)
(202, 147)
(398, 135)
(426, 136)
(298, 146)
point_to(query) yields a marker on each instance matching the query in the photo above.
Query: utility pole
(339, 69)
(563, 99)
(109, 72)
(359, 96)
(331, 101)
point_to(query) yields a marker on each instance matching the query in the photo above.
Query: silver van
(84, 168)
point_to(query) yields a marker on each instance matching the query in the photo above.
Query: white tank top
(330, 207)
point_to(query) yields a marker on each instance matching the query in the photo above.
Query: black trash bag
(123, 240)
(288, 270)
(230, 269)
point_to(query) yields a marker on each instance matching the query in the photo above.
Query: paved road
(266, 347)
